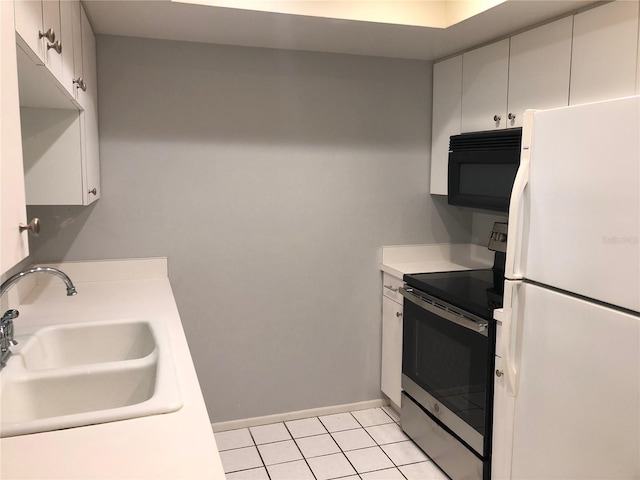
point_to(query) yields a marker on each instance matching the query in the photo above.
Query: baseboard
(283, 417)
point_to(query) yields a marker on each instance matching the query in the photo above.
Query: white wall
(270, 179)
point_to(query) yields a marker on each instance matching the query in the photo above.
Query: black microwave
(483, 167)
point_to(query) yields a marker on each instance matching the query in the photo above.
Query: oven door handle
(446, 314)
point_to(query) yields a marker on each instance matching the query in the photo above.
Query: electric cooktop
(477, 291)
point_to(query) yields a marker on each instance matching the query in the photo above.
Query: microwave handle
(513, 267)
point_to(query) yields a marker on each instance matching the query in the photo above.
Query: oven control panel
(498, 238)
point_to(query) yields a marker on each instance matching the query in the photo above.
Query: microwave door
(482, 169)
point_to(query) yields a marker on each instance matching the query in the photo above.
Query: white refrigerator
(567, 400)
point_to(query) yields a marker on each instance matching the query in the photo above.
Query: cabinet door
(76, 27)
(605, 51)
(391, 380)
(51, 20)
(89, 117)
(28, 24)
(68, 14)
(13, 243)
(485, 73)
(447, 110)
(539, 66)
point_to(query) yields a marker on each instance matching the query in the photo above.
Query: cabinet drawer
(391, 287)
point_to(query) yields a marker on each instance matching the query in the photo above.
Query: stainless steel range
(448, 362)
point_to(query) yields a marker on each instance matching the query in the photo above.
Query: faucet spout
(6, 323)
(71, 289)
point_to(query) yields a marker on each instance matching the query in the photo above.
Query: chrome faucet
(6, 324)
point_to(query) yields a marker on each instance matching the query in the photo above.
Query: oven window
(449, 362)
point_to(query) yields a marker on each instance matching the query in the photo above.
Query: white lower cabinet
(391, 376)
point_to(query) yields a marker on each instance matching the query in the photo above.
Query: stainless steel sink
(82, 374)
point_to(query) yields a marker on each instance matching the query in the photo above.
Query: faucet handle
(6, 332)
(11, 314)
(5, 343)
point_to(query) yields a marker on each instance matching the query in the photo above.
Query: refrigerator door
(574, 219)
(576, 413)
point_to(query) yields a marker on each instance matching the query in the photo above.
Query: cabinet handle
(57, 46)
(33, 227)
(93, 191)
(395, 290)
(511, 116)
(79, 82)
(499, 373)
(398, 314)
(497, 118)
(49, 35)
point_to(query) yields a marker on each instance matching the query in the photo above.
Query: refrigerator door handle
(508, 363)
(509, 338)
(515, 235)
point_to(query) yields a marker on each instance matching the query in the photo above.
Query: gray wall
(270, 179)
(482, 225)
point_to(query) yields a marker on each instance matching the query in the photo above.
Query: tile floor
(364, 444)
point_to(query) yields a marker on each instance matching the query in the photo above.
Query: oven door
(447, 366)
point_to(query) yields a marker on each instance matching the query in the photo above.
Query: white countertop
(178, 445)
(398, 260)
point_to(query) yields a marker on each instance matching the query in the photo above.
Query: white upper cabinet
(447, 105)
(87, 95)
(503, 79)
(587, 57)
(49, 33)
(39, 26)
(605, 52)
(69, 17)
(14, 244)
(539, 69)
(60, 132)
(485, 77)
(28, 24)
(52, 50)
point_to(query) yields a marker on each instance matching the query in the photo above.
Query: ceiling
(164, 19)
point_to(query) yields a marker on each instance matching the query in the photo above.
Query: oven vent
(510, 139)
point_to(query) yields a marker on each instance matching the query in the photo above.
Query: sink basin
(35, 398)
(65, 346)
(83, 374)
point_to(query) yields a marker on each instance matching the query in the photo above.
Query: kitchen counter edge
(167, 446)
(398, 260)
